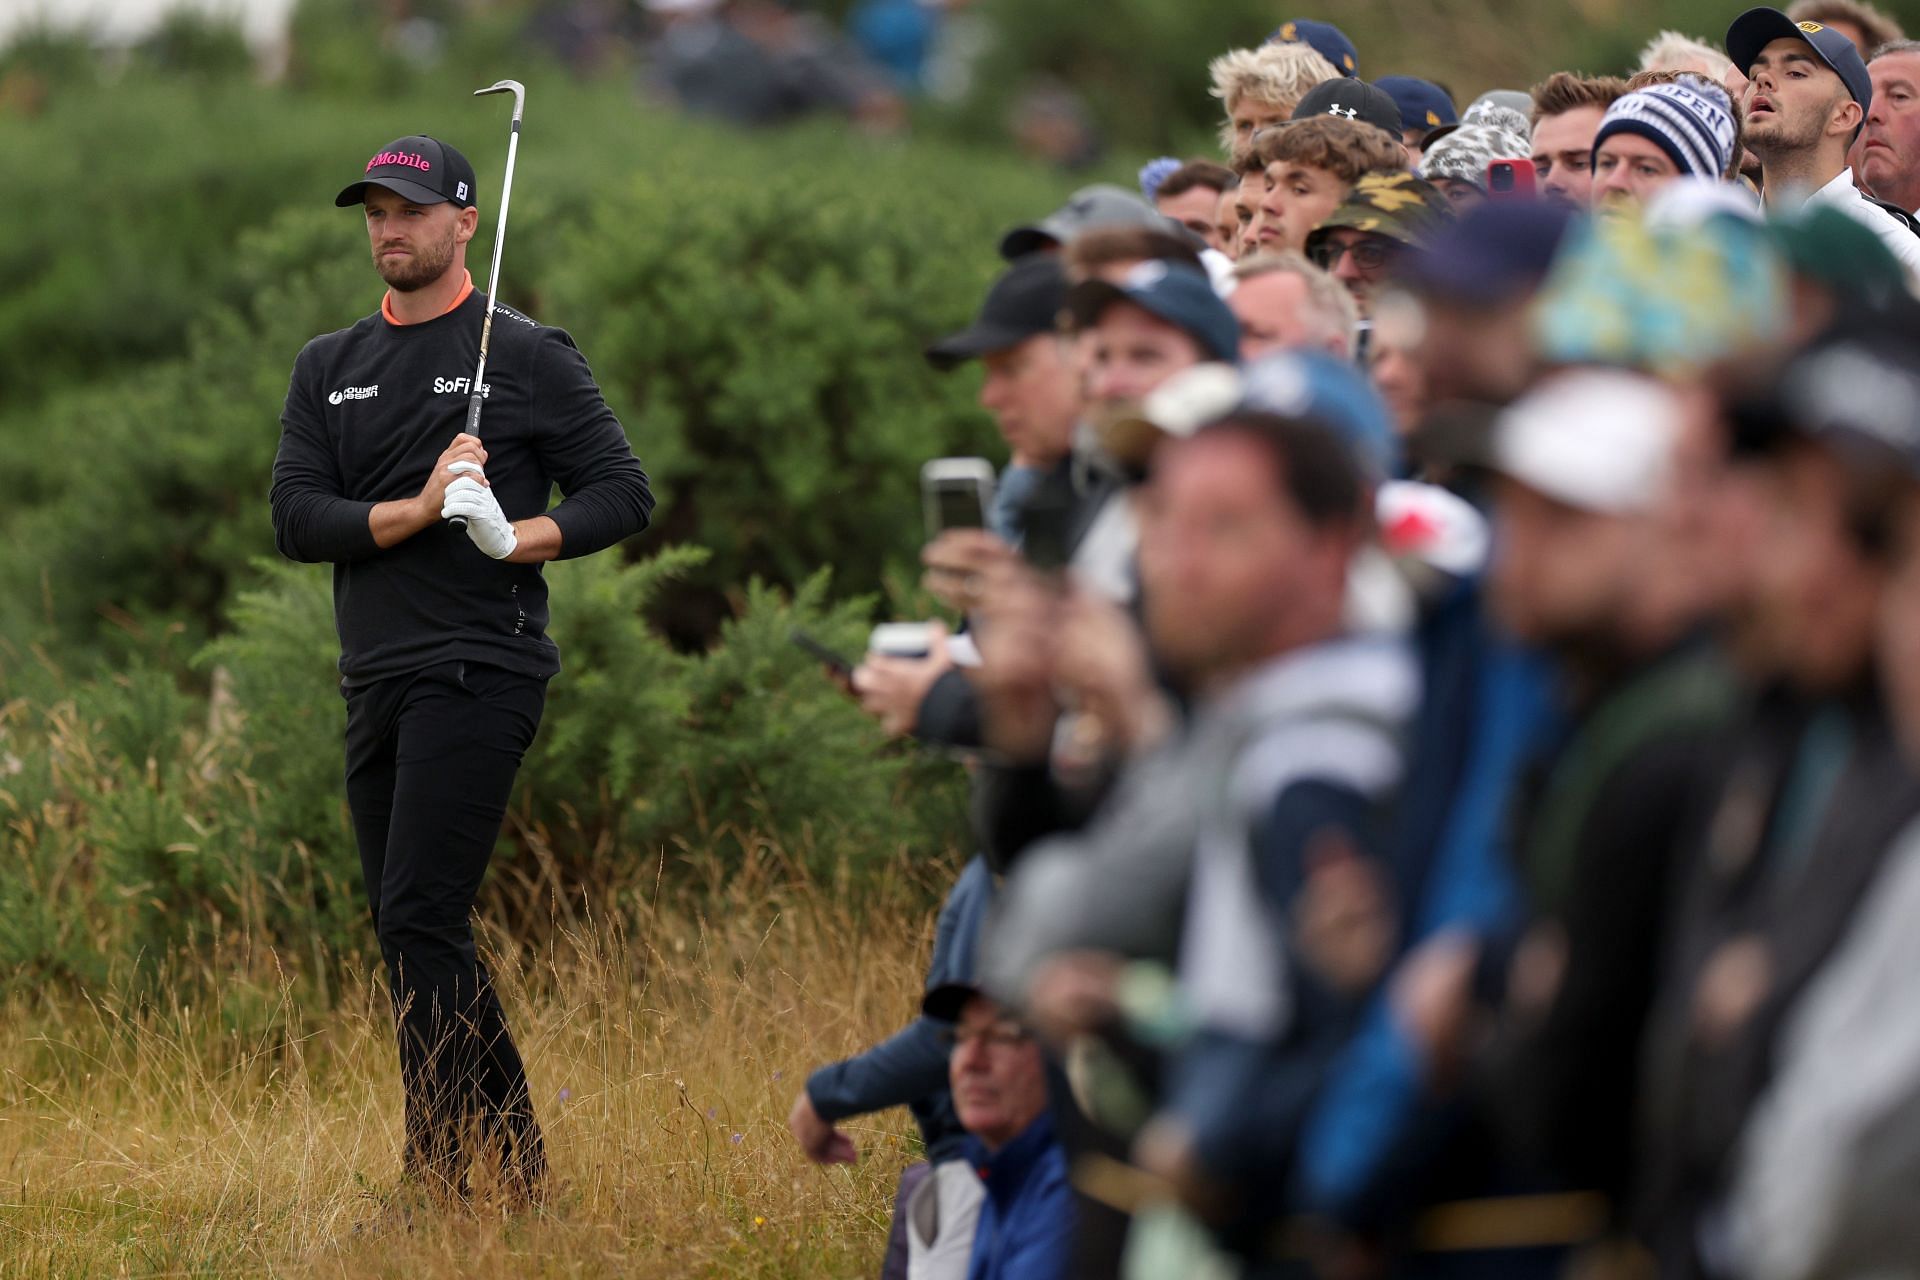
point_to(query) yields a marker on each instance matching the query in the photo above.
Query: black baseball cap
(1351, 100)
(1023, 302)
(422, 169)
(1755, 29)
(945, 1003)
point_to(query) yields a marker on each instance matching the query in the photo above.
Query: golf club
(519, 92)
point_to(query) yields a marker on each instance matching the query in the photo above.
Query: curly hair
(1348, 149)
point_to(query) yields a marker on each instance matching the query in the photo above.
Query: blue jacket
(910, 1068)
(1026, 1221)
(1493, 711)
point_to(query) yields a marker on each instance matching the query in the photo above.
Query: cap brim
(1021, 241)
(971, 344)
(356, 193)
(946, 1003)
(1088, 299)
(1755, 29)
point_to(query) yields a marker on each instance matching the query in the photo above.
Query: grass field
(248, 1135)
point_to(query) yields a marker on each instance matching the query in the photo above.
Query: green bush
(140, 825)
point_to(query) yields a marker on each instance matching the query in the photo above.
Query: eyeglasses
(1368, 255)
(1000, 1035)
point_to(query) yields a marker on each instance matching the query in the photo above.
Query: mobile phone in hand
(956, 493)
(1511, 180)
(839, 668)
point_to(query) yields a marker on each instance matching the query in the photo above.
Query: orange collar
(386, 303)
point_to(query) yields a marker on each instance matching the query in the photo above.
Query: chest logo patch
(354, 393)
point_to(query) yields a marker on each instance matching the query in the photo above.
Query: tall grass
(219, 1122)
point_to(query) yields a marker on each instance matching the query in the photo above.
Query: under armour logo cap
(1351, 100)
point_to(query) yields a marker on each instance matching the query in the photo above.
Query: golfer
(444, 654)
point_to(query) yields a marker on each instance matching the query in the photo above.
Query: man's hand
(1018, 623)
(819, 1141)
(957, 563)
(1101, 663)
(392, 523)
(1432, 998)
(469, 498)
(433, 497)
(892, 689)
(1074, 993)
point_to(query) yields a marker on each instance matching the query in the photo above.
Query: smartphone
(839, 667)
(902, 639)
(957, 493)
(1511, 180)
(1045, 523)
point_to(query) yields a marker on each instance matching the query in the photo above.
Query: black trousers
(431, 758)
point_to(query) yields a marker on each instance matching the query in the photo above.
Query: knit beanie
(1692, 122)
(1464, 154)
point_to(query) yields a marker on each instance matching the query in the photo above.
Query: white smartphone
(902, 639)
(957, 493)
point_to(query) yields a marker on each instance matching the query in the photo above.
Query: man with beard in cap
(444, 653)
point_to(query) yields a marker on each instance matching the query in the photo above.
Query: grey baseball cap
(1101, 205)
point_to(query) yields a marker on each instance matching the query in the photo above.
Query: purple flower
(737, 1139)
(565, 1094)
(712, 1112)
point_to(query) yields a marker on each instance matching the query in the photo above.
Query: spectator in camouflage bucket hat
(1384, 214)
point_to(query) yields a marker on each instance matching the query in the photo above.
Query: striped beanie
(1692, 122)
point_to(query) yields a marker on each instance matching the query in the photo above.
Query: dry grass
(248, 1135)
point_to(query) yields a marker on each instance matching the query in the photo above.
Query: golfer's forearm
(392, 523)
(536, 541)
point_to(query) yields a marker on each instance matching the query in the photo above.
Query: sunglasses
(1368, 255)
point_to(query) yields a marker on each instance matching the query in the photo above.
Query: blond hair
(1276, 73)
(1672, 51)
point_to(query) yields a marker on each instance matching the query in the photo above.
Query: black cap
(947, 1002)
(1755, 29)
(1351, 100)
(1023, 302)
(421, 169)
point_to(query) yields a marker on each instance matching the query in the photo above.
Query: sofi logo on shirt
(459, 387)
(354, 393)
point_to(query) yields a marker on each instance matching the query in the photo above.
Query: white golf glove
(487, 524)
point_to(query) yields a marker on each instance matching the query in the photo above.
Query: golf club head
(514, 87)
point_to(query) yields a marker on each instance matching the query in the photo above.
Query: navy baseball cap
(1498, 250)
(1755, 29)
(1351, 100)
(421, 169)
(1170, 291)
(1423, 104)
(1325, 39)
(1023, 302)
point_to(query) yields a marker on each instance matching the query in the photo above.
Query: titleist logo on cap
(411, 159)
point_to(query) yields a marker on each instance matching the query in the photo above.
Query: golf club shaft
(478, 396)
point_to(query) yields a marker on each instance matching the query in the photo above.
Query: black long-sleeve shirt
(371, 408)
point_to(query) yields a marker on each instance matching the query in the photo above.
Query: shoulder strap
(1894, 211)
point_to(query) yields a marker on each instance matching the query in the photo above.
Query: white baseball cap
(1601, 440)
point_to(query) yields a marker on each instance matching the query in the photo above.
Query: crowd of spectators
(1440, 681)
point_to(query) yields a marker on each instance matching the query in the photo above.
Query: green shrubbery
(754, 306)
